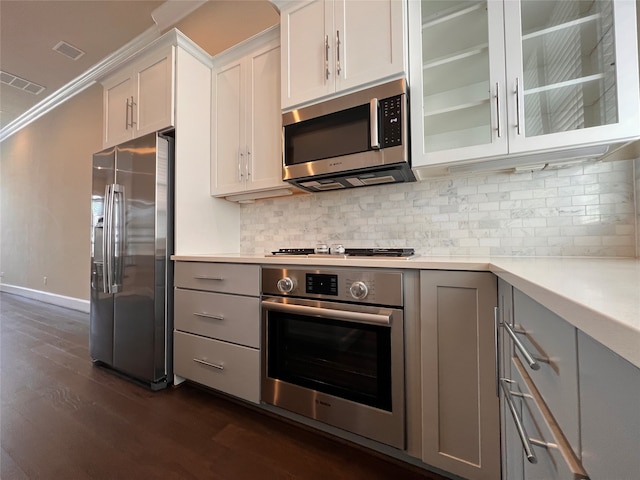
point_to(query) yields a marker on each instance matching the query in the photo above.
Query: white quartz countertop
(599, 296)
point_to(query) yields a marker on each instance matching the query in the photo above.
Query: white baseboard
(47, 297)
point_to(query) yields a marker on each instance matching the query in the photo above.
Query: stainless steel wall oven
(333, 348)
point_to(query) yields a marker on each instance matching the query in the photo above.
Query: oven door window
(333, 135)
(345, 359)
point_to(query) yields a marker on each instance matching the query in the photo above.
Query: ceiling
(30, 29)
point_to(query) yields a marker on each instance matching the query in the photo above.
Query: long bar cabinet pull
(522, 432)
(518, 119)
(132, 105)
(496, 340)
(326, 56)
(533, 364)
(206, 277)
(208, 315)
(498, 119)
(209, 364)
(338, 69)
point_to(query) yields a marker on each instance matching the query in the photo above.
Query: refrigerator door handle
(107, 244)
(119, 236)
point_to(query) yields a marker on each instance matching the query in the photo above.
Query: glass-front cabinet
(492, 79)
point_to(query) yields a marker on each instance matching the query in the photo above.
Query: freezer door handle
(107, 246)
(119, 233)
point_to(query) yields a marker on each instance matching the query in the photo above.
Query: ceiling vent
(68, 50)
(20, 83)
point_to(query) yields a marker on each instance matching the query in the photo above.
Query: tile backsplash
(591, 209)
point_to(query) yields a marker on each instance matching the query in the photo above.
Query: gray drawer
(230, 368)
(232, 318)
(552, 341)
(218, 277)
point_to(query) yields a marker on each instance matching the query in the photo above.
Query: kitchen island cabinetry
(460, 422)
(331, 46)
(517, 78)
(246, 146)
(217, 327)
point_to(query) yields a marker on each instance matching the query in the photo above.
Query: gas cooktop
(397, 253)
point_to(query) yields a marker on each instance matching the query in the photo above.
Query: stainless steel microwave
(356, 140)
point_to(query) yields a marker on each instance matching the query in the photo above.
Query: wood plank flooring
(63, 418)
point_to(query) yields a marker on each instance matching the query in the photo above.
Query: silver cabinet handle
(338, 69)
(248, 164)
(522, 433)
(343, 315)
(205, 277)
(518, 119)
(208, 315)
(533, 364)
(326, 57)
(373, 118)
(126, 116)
(498, 119)
(132, 105)
(496, 340)
(208, 364)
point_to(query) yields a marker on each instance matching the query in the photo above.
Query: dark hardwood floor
(63, 418)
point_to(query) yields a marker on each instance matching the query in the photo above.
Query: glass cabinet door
(567, 72)
(457, 60)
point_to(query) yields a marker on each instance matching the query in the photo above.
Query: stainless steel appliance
(333, 348)
(355, 140)
(131, 241)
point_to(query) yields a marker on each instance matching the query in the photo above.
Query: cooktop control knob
(359, 290)
(285, 285)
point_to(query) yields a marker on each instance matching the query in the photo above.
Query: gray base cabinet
(577, 402)
(609, 412)
(460, 413)
(217, 327)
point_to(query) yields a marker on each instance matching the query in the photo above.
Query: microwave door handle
(373, 118)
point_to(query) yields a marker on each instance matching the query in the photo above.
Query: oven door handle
(381, 318)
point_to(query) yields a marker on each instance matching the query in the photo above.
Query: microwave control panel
(391, 116)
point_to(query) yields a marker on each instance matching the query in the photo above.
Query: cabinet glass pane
(456, 87)
(569, 65)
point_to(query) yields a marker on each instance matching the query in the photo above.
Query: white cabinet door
(139, 99)
(247, 120)
(495, 79)
(117, 110)
(307, 52)
(574, 68)
(264, 120)
(228, 142)
(369, 41)
(154, 105)
(329, 46)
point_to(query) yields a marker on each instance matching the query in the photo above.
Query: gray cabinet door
(461, 424)
(609, 412)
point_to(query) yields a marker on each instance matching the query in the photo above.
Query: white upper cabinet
(247, 120)
(138, 99)
(330, 46)
(493, 79)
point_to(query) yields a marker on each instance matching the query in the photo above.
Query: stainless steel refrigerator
(131, 274)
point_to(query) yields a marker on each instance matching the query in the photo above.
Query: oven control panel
(373, 287)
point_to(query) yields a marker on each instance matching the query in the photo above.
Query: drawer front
(552, 342)
(218, 277)
(231, 318)
(230, 368)
(557, 460)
